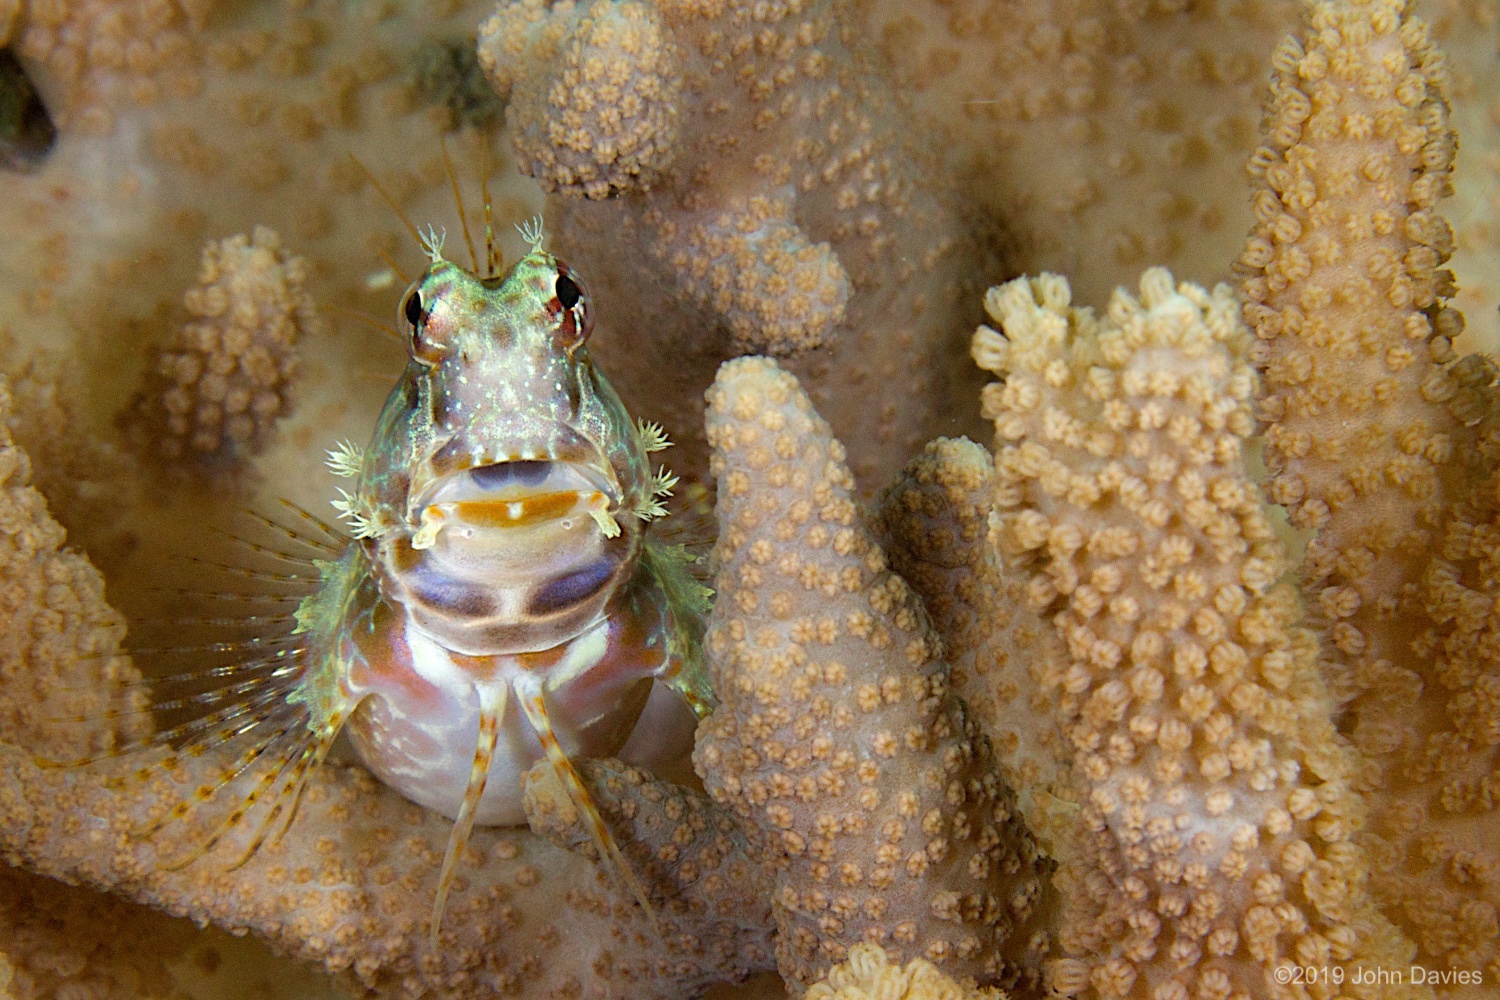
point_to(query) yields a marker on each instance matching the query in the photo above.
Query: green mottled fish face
(504, 464)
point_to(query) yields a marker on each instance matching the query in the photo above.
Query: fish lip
(593, 470)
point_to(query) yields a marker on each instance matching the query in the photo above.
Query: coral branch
(226, 377)
(766, 194)
(59, 647)
(596, 90)
(838, 740)
(1344, 290)
(934, 520)
(692, 858)
(1215, 843)
(1372, 442)
(751, 265)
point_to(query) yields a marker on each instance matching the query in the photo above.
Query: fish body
(500, 601)
(420, 703)
(500, 513)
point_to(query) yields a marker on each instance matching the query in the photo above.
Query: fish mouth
(517, 494)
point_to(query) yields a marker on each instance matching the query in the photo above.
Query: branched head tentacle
(653, 506)
(432, 244)
(532, 232)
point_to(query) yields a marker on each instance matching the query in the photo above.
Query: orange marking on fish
(515, 513)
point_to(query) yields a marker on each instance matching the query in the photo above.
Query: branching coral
(733, 177)
(1373, 438)
(1216, 837)
(226, 377)
(1108, 136)
(604, 120)
(59, 650)
(838, 739)
(935, 522)
(57, 659)
(867, 974)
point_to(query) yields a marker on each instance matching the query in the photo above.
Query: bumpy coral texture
(688, 854)
(58, 941)
(838, 739)
(1106, 136)
(351, 887)
(867, 974)
(934, 520)
(608, 121)
(1373, 440)
(227, 375)
(59, 660)
(88, 45)
(86, 479)
(1103, 134)
(790, 205)
(1215, 842)
(59, 651)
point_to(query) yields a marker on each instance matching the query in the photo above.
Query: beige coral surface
(766, 193)
(838, 736)
(1208, 825)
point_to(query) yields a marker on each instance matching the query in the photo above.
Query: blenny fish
(500, 601)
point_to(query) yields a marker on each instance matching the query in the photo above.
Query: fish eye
(417, 314)
(412, 308)
(574, 322)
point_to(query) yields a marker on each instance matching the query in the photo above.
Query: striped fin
(492, 698)
(529, 690)
(243, 673)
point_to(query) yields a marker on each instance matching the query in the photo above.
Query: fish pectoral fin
(534, 704)
(491, 711)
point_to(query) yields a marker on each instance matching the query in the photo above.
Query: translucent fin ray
(184, 806)
(492, 698)
(290, 534)
(247, 573)
(296, 744)
(534, 705)
(200, 699)
(247, 678)
(299, 559)
(308, 517)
